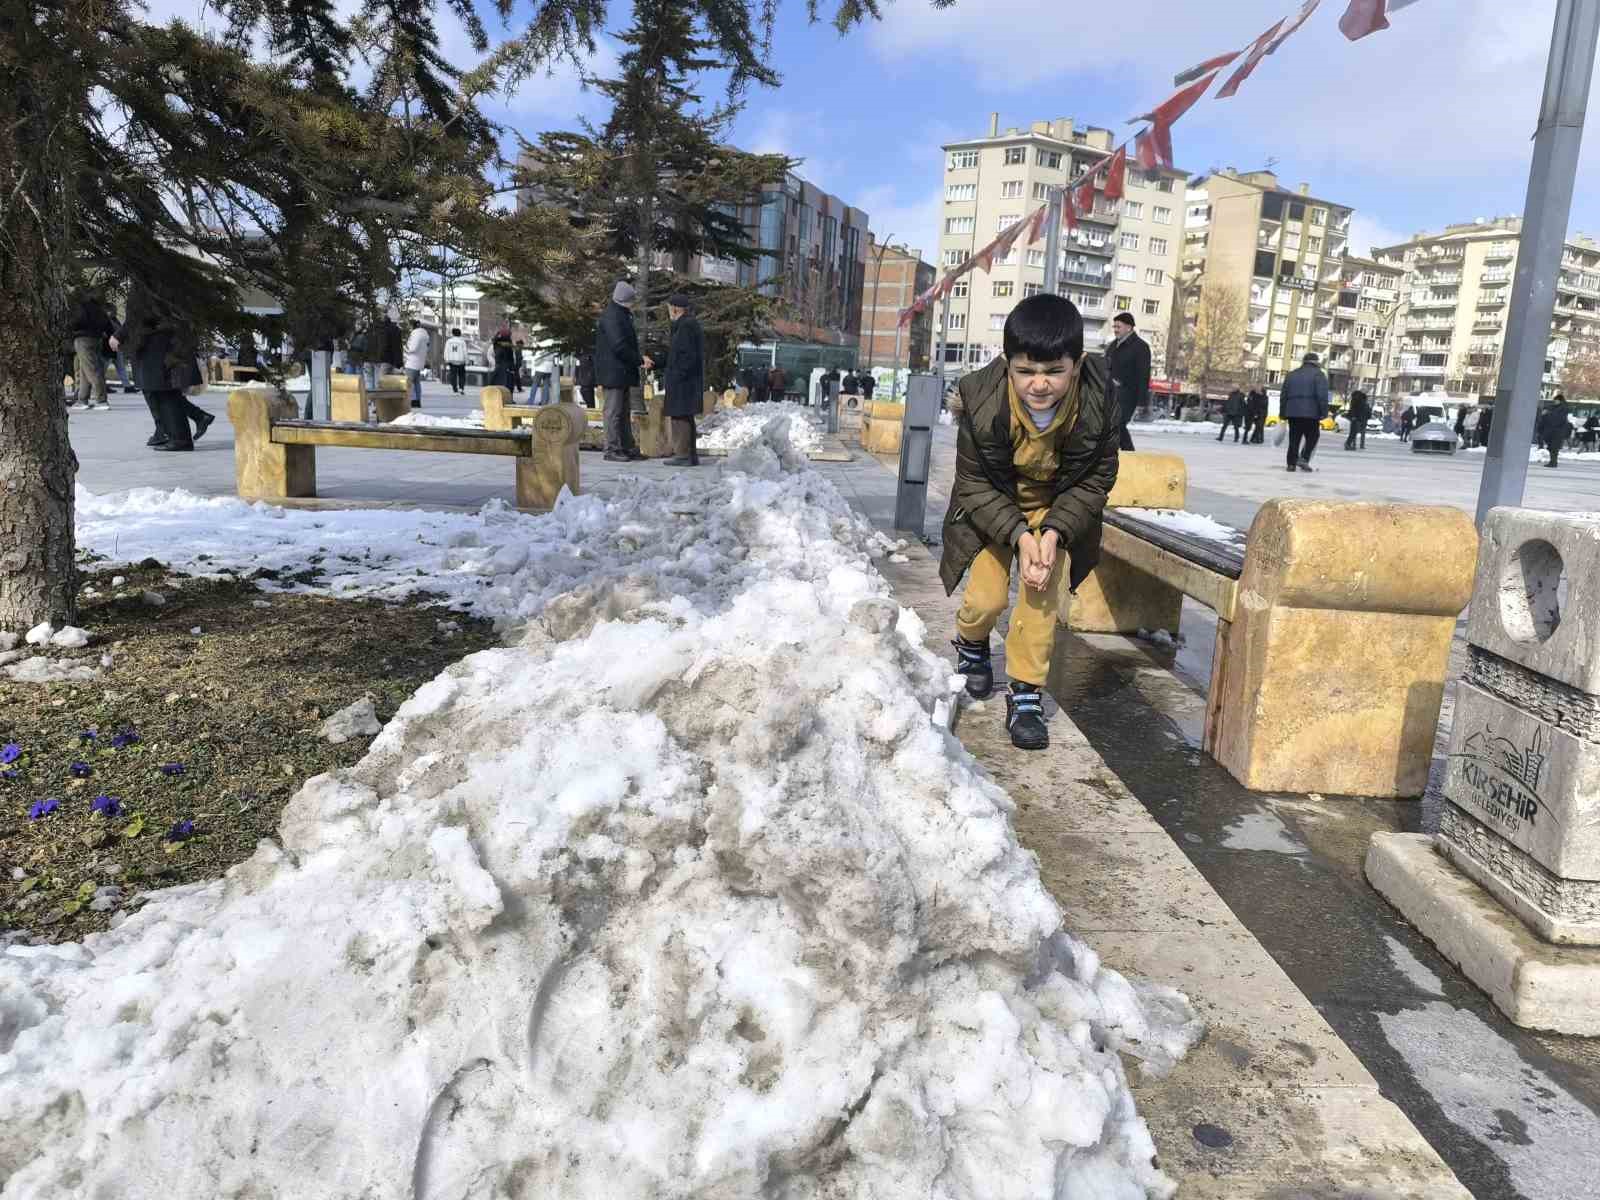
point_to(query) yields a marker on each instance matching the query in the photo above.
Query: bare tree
(1210, 350)
(1580, 371)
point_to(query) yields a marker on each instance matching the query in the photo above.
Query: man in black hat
(686, 378)
(1304, 404)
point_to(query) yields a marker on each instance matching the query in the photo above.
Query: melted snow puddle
(1261, 830)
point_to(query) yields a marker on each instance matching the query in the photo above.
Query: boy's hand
(1048, 541)
(1035, 572)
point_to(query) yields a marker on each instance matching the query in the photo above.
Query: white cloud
(1367, 231)
(777, 130)
(911, 221)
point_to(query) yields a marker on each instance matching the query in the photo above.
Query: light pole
(877, 300)
(1052, 241)
(1544, 234)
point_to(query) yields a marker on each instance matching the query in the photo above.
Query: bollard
(1519, 830)
(916, 453)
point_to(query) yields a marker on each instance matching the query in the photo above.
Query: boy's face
(1041, 385)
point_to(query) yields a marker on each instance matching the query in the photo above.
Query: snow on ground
(680, 895)
(1201, 525)
(1538, 455)
(1212, 428)
(473, 420)
(731, 428)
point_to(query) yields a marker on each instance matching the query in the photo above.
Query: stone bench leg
(262, 470)
(494, 400)
(1117, 598)
(1329, 678)
(652, 430)
(553, 465)
(389, 405)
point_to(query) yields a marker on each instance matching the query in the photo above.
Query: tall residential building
(1367, 357)
(1456, 298)
(1281, 252)
(895, 277)
(1123, 255)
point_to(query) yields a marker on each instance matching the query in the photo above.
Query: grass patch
(197, 739)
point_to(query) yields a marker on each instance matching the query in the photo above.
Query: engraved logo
(1502, 779)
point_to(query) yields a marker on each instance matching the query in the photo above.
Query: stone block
(557, 431)
(1146, 480)
(349, 398)
(652, 429)
(494, 401)
(1533, 784)
(387, 404)
(881, 425)
(1537, 985)
(1536, 599)
(1333, 668)
(1118, 597)
(262, 469)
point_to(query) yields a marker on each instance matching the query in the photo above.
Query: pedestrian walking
(777, 384)
(1128, 358)
(617, 366)
(544, 370)
(92, 326)
(686, 379)
(1360, 414)
(1304, 404)
(1555, 428)
(1408, 422)
(583, 378)
(867, 381)
(504, 373)
(455, 362)
(1485, 425)
(1461, 425)
(1233, 414)
(1256, 407)
(165, 365)
(416, 360)
(1591, 432)
(1036, 456)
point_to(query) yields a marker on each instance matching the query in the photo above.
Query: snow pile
(473, 420)
(681, 896)
(1200, 525)
(731, 428)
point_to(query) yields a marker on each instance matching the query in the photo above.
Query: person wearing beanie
(686, 379)
(1303, 404)
(1036, 457)
(617, 366)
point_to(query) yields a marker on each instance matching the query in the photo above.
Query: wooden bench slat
(1212, 588)
(1213, 555)
(366, 435)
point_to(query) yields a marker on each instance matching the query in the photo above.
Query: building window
(1275, 350)
(1302, 324)
(1133, 209)
(1004, 287)
(1128, 241)
(1158, 246)
(958, 224)
(1036, 258)
(1124, 303)
(1164, 185)
(1160, 215)
(959, 291)
(977, 354)
(1031, 289)
(1137, 178)
(954, 258)
(997, 321)
(963, 160)
(1154, 275)
(956, 321)
(1127, 272)
(954, 351)
(1005, 221)
(1152, 308)
(1016, 155)
(1319, 216)
(961, 191)
(1048, 159)
(1011, 189)
(1041, 191)
(1314, 245)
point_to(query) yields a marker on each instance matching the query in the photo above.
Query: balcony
(1492, 300)
(1425, 372)
(1347, 311)
(1435, 302)
(1099, 281)
(1430, 323)
(1495, 277)
(1499, 253)
(1488, 325)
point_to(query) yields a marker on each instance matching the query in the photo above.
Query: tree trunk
(40, 107)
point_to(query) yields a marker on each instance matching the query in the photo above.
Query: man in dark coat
(1408, 422)
(583, 378)
(617, 365)
(1360, 413)
(850, 386)
(91, 326)
(1128, 358)
(1036, 456)
(1303, 404)
(686, 379)
(1233, 411)
(777, 384)
(1555, 428)
(164, 365)
(1255, 425)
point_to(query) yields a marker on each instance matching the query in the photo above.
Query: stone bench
(881, 422)
(390, 399)
(275, 454)
(1334, 623)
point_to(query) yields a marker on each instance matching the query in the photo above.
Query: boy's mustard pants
(1033, 623)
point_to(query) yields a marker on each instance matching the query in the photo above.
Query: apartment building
(1282, 253)
(1455, 301)
(895, 277)
(1123, 255)
(1365, 351)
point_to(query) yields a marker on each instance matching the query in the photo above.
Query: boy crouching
(1036, 456)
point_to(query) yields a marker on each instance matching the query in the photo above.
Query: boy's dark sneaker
(1025, 717)
(972, 660)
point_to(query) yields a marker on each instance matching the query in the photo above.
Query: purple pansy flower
(11, 774)
(107, 806)
(124, 737)
(10, 752)
(86, 736)
(181, 831)
(172, 768)
(80, 770)
(43, 808)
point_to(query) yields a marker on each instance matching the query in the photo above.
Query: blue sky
(1425, 123)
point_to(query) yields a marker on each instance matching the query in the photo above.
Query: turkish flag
(1252, 56)
(1085, 197)
(1036, 225)
(1116, 174)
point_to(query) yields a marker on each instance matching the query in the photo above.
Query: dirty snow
(1201, 525)
(731, 428)
(354, 720)
(680, 895)
(473, 420)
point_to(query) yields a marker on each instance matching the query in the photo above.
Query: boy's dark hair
(1126, 318)
(455, 331)
(1045, 328)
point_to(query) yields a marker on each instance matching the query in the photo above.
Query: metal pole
(1544, 232)
(1052, 241)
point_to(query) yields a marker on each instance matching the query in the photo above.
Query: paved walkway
(1335, 1028)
